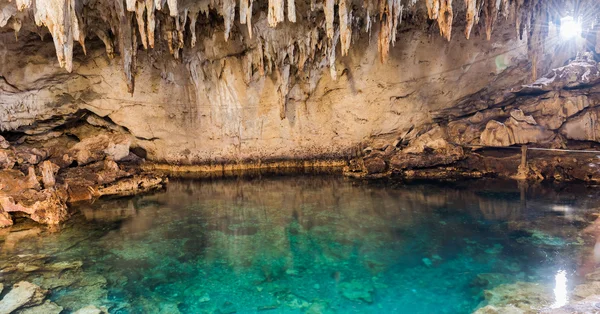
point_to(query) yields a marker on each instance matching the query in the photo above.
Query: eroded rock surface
(476, 138)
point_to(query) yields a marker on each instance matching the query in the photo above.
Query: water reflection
(320, 244)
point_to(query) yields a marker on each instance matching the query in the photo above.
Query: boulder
(584, 127)
(514, 132)
(90, 309)
(22, 294)
(47, 307)
(375, 165)
(96, 148)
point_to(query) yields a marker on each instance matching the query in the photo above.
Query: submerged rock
(524, 296)
(47, 307)
(91, 309)
(22, 294)
(357, 290)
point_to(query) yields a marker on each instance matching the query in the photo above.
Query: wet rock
(525, 296)
(403, 161)
(47, 307)
(509, 309)
(375, 165)
(587, 289)
(46, 206)
(134, 185)
(588, 305)
(22, 294)
(357, 290)
(91, 309)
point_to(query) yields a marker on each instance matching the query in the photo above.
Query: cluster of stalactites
(63, 18)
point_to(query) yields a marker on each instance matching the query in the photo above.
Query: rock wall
(557, 113)
(205, 109)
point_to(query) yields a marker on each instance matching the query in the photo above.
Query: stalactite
(328, 9)
(228, 16)
(397, 9)
(491, 12)
(345, 27)
(193, 18)
(368, 23)
(151, 17)
(385, 20)
(158, 4)
(126, 44)
(331, 54)
(243, 11)
(249, 19)
(283, 90)
(433, 8)
(291, 6)
(180, 26)
(23, 4)
(445, 18)
(139, 15)
(108, 44)
(471, 6)
(57, 16)
(173, 7)
(131, 4)
(505, 8)
(276, 12)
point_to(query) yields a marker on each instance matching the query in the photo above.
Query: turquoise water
(311, 244)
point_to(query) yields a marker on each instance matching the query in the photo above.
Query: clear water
(310, 244)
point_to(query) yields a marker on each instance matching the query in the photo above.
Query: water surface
(315, 244)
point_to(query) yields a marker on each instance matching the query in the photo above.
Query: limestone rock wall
(204, 108)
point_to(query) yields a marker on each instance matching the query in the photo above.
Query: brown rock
(375, 165)
(48, 170)
(96, 148)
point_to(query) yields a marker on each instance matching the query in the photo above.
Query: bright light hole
(560, 289)
(569, 28)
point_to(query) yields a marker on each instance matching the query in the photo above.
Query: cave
(299, 156)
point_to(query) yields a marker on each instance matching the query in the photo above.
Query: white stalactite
(276, 12)
(249, 18)
(131, 4)
(397, 9)
(172, 7)
(328, 10)
(228, 16)
(243, 11)
(345, 27)
(158, 4)
(291, 6)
